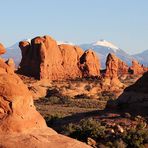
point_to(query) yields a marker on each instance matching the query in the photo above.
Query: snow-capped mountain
(64, 42)
(142, 57)
(105, 43)
(103, 48)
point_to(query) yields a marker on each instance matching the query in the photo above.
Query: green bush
(135, 138)
(86, 128)
(53, 100)
(58, 100)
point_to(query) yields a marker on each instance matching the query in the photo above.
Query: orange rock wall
(44, 59)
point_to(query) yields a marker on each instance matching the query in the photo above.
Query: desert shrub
(53, 92)
(86, 128)
(116, 144)
(141, 125)
(58, 100)
(87, 87)
(85, 103)
(106, 95)
(68, 101)
(136, 138)
(119, 144)
(82, 96)
(53, 100)
(65, 100)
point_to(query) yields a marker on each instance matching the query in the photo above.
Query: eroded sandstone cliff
(44, 59)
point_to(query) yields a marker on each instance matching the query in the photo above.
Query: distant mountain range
(13, 52)
(101, 47)
(142, 57)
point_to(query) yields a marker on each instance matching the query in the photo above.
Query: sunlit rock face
(89, 64)
(137, 69)
(20, 124)
(114, 66)
(43, 58)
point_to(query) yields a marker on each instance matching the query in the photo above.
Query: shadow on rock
(134, 99)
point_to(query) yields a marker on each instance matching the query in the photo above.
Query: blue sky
(123, 22)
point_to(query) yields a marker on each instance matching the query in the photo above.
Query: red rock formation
(145, 68)
(89, 64)
(44, 59)
(2, 49)
(136, 68)
(113, 69)
(70, 57)
(111, 66)
(122, 68)
(20, 124)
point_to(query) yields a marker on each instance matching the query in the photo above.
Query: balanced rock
(89, 64)
(20, 124)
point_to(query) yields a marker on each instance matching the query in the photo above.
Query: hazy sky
(123, 22)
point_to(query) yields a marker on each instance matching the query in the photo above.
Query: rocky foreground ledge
(20, 124)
